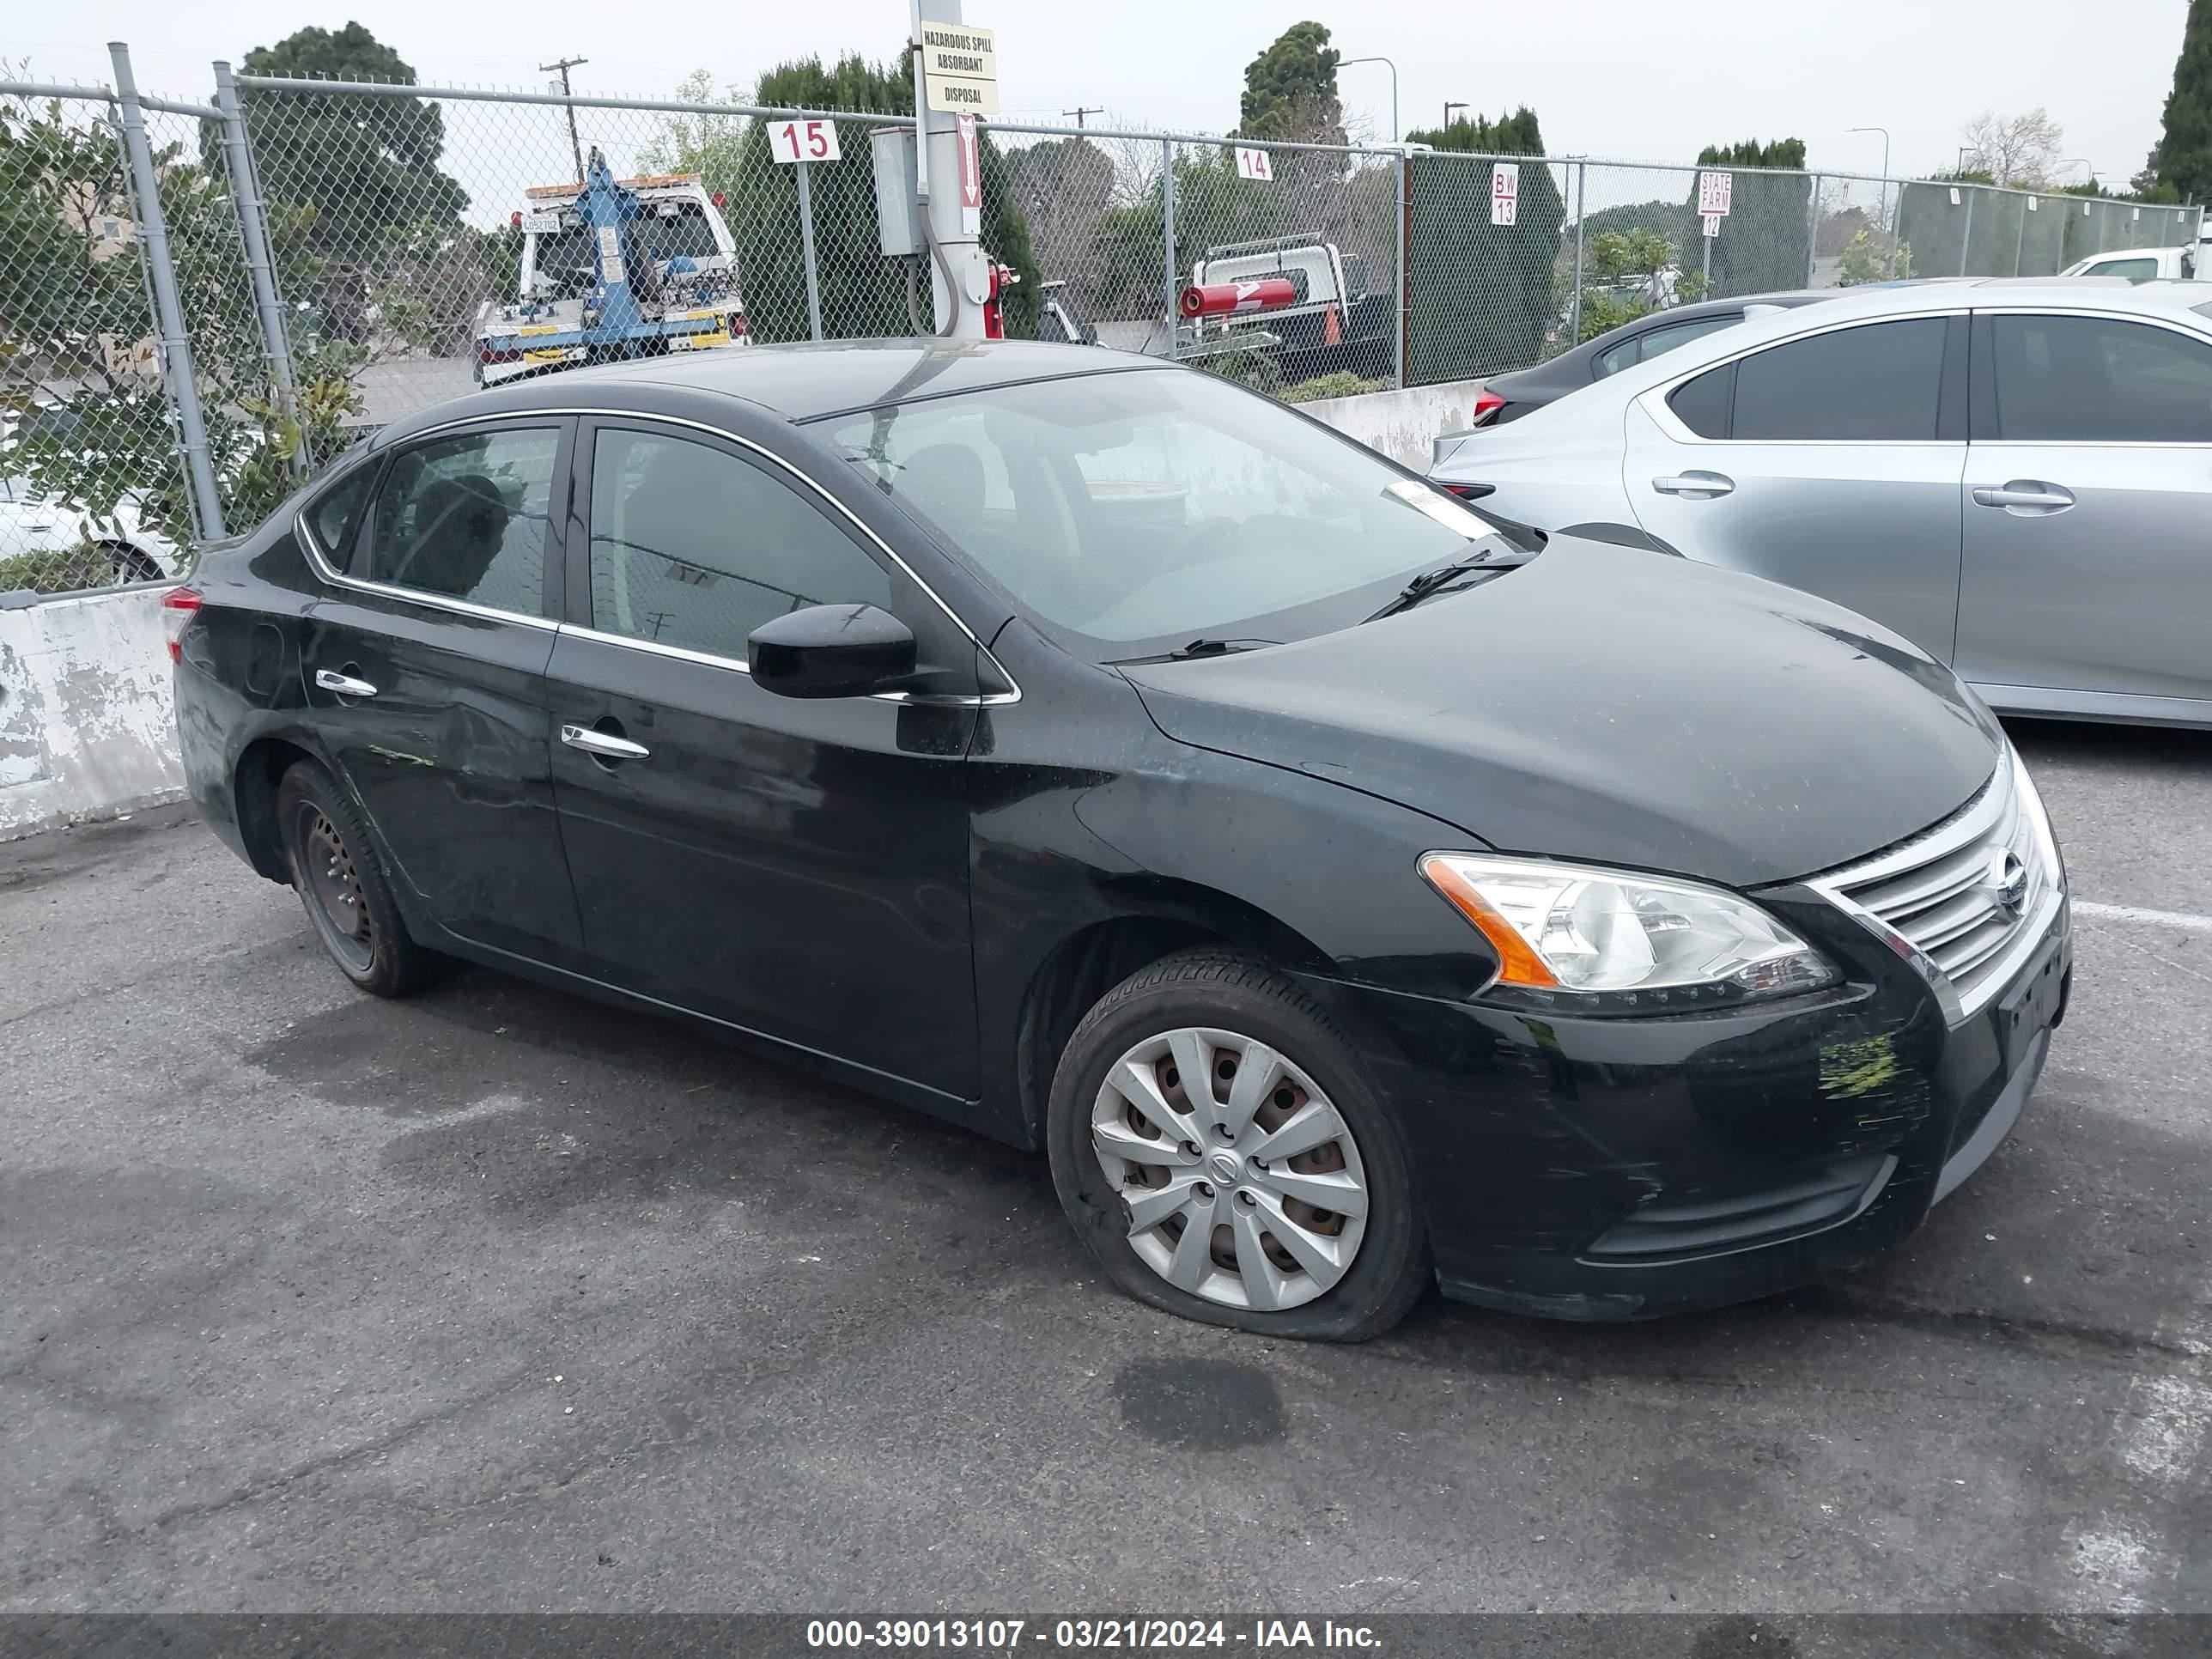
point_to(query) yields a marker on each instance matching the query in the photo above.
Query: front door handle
(605, 744)
(2032, 494)
(1695, 486)
(346, 685)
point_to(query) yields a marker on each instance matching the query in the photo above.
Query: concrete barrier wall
(87, 727)
(1401, 423)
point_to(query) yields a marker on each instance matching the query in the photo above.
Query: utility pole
(575, 144)
(1082, 110)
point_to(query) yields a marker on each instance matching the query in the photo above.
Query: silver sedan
(2015, 476)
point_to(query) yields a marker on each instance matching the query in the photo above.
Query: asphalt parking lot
(501, 1300)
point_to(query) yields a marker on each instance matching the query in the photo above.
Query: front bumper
(1618, 1168)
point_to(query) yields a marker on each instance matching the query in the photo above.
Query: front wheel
(1217, 1145)
(341, 882)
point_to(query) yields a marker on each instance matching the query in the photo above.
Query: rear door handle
(346, 685)
(1695, 486)
(2027, 493)
(605, 744)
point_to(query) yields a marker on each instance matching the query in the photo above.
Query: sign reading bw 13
(804, 140)
(960, 68)
(1504, 191)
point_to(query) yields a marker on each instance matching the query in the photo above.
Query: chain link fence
(201, 303)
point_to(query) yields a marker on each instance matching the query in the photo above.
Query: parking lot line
(2138, 913)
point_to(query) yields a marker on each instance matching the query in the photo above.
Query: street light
(1450, 107)
(2084, 163)
(1884, 131)
(1346, 62)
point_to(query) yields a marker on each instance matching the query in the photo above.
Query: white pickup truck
(2191, 263)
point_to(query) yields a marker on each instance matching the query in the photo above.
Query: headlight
(1613, 941)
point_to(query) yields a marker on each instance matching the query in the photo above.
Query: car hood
(1614, 705)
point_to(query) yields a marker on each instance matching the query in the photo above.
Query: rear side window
(336, 511)
(2136, 271)
(1879, 383)
(2100, 380)
(467, 517)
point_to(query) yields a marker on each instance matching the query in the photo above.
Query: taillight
(1468, 492)
(1486, 405)
(486, 354)
(738, 327)
(178, 606)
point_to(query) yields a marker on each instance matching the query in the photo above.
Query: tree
(73, 320)
(863, 293)
(1289, 89)
(1762, 242)
(1479, 296)
(1062, 186)
(354, 170)
(2182, 163)
(2015, 150)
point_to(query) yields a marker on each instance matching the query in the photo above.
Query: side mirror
(831, 651)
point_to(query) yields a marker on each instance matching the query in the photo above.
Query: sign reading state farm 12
(960, 68)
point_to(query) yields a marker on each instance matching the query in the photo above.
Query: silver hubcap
(1242, 1182)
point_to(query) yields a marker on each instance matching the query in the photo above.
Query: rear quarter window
(336, 513)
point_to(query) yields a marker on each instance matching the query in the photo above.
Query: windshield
(1149, 508)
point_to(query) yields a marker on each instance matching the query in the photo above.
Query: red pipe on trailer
(1229, 299)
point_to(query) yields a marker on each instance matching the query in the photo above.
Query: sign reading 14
(804, 140)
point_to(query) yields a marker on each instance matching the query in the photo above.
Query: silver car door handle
(346, 685)
(1698, 486)
(602, 744)
(2050, 496)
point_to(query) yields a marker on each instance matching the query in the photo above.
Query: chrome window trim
(1653, 400)
(329, 573)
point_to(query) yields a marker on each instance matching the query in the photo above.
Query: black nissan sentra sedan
(1344, 892)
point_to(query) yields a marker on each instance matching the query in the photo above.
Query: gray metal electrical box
(897, 217)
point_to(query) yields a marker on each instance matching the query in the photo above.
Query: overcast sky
(1625, 78)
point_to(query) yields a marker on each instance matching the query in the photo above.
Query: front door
(2089, 507)
(1830, 462)
(427, 664)
(797, 868)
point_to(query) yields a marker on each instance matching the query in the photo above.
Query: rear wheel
(133, 564)
(1217, 1145)
(342, 884)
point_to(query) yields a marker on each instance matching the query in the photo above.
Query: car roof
(799, 382)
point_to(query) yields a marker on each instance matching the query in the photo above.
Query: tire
(1236, 1010)
(341, 880)
(133, 564)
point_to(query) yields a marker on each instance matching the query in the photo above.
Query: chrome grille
(1946, 891)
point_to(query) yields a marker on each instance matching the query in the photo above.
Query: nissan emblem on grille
(2007, 885)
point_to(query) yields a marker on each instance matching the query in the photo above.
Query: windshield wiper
(1427, 583)
(1204, 648)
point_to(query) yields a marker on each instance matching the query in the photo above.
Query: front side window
(693, 547)
(467, 517)
(2100, 380)
(2136, 271)
(1160, 506)
(1879, 382)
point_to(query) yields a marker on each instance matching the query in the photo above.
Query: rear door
(1830, 462)
(2088, 505)
(798, 868)
(426, 660)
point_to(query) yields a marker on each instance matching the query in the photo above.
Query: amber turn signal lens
(1520, 964)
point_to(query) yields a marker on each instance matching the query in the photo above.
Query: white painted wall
(87, 725)
(1401, 423)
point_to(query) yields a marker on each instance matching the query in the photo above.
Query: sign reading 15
(804, 140)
